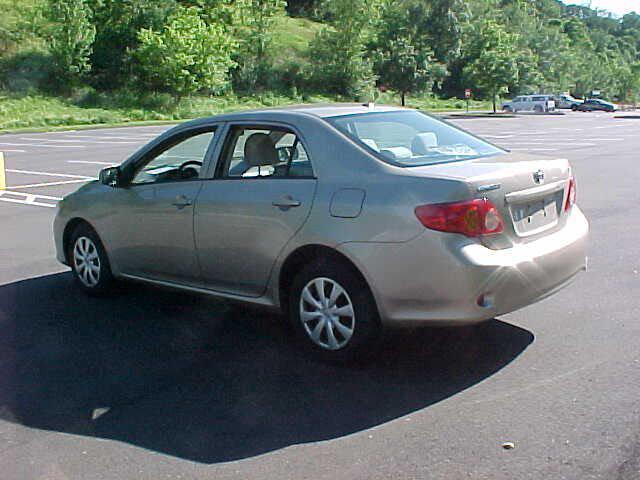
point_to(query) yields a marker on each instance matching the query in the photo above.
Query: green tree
(71, 35)
(439, 24)
(402, 61)
(494, 67)
(339, 54)
(630, 82)
(187, 55)
(403, 68)
(117, 24)
(254, 34)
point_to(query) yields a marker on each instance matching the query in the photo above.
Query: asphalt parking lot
(150, 384)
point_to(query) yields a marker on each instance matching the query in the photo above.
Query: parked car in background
(530, 103)
(566, 101)
(344, 217)
(595, 104)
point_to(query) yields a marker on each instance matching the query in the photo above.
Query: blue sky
(617, 7)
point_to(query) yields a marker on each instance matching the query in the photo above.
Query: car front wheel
(88, 261)
(333, 312)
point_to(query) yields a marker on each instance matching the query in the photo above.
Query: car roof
(316, 110)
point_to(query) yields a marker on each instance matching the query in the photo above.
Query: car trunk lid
(528, 191)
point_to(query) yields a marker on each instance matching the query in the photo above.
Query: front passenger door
(153, 220)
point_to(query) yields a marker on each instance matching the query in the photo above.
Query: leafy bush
(117, 25)
(339, 55)
(71, 36)
(186, 56)
(26, 72)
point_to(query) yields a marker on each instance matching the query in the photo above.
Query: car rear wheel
(333, 312)
(88, 261)
(538, 109)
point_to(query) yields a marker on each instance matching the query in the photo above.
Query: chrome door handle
(181, 201)
(286, 202)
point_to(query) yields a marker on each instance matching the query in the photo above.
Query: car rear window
(410, 138)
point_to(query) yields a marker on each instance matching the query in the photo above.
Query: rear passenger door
(256, 200)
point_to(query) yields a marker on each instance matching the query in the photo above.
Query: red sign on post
(467, 93)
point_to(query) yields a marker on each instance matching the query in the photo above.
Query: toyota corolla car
(345, 217)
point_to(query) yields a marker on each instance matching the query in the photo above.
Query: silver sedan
(345, 217)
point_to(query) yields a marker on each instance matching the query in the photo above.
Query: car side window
(177, 162)
(264, 152)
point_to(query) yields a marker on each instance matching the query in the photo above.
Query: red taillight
(471, 218)
(571, 194)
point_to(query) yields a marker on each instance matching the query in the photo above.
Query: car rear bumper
(450, 279)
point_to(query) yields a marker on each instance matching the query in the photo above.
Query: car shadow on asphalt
(201, 380)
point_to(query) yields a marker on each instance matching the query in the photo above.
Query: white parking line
(28, 199)
(110, 137)
(77, 141)
(89, 162)
(550, 143)
(50, 174)
(607, 139)
(46, 145)
(50, 184)
(537, 149)
(13, 150)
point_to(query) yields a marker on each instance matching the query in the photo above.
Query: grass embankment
(291, 40)
(45, 113)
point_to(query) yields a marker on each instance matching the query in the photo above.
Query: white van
(530, 103)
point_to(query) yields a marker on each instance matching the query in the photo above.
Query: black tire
(508, 109)
(574, 107)
(365, 320)
(103, 278)
(538, 109)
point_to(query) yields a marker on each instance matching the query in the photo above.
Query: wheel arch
(306, 254)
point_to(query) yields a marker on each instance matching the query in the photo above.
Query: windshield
(411, 138)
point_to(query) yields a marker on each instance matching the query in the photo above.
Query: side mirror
(110, 176)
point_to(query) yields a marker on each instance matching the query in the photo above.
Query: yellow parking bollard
(3, 177)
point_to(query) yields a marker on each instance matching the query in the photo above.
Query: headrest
(371, 143)
(423, 142)
(396, 153)
(260, 150)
